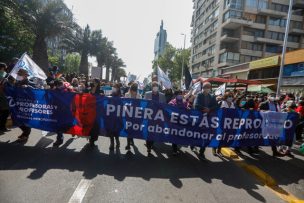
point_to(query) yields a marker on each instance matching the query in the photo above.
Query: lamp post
(284, 47)
(182, 77)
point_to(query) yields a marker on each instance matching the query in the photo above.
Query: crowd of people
(203, 101)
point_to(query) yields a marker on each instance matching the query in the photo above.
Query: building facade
(267, 71)
(230, 32)
(160, 41)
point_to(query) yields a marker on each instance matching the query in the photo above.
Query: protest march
(195, 117)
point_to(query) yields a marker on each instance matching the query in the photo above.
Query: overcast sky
(133, 25)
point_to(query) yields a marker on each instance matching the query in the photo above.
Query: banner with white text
(79, 114)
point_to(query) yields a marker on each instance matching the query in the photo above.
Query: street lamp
(183, 60)
(284, 47)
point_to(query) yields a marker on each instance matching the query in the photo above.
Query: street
(75, 172)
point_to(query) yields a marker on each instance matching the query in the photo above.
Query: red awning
(224, 80)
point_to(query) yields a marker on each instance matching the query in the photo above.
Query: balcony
(267, 40)
(270, 12)
(298, 4)
(234, 23)
(229, 38)
(251, 52)
(296, 31)
(228, 63)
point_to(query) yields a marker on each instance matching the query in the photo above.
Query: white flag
(26, 63)
(220, 90)
(196, 88)
(163, 79)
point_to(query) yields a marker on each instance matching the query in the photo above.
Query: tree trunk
(107, 74)
(101, 66)
(113, 74)
(84, 64)
(40, 53)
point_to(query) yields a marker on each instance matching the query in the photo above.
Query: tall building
(230, 32)
(160, 41)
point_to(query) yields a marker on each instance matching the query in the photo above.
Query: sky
(133, 24)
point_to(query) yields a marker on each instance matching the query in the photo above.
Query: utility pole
(284, 47)
(183, 61)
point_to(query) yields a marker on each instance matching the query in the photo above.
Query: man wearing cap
(271, 105)
(157, 96)
(206, 103)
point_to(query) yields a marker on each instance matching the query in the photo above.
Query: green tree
(120, 72)
(72, 62)
(181, 54)
(45, 20)
(84, 48)
(171, 62)
(109, 58)
(15, 37)
(54, 60)
(99, 47)
(165, 61)
(116, 67)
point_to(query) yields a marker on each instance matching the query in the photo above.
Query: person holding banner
(157, 96)
(59, 86)
(206, 103)
(132, 93)
(23, 82)
(179, 102)
(115, 132)
(95, 90)
(226, 103)
(271, 105)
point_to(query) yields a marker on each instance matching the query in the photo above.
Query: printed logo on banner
(11, 101)
(80, 114)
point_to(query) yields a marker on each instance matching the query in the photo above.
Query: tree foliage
(15, 37)
(71, 63)
(27, 26)
(171, 62)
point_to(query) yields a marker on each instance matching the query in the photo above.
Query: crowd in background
(202, 100)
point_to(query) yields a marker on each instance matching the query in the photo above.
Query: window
(277, 22)
(245, 58)
(251, 46)
(279, 7)
(253, 32)
(236, 4)
(296, 24)
(229, 57)
(232, 14)
(208, 63)
(273, 49)
(209, 50)
(293, 38)
(263, 4)
(251, 3)
(260, 19)
(275, 35)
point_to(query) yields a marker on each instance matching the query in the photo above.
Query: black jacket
(265, 106)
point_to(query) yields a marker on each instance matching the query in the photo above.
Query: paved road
(36, 172)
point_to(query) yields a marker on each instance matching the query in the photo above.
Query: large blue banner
(79, 114)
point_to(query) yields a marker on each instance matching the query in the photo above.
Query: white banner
(26, 63)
